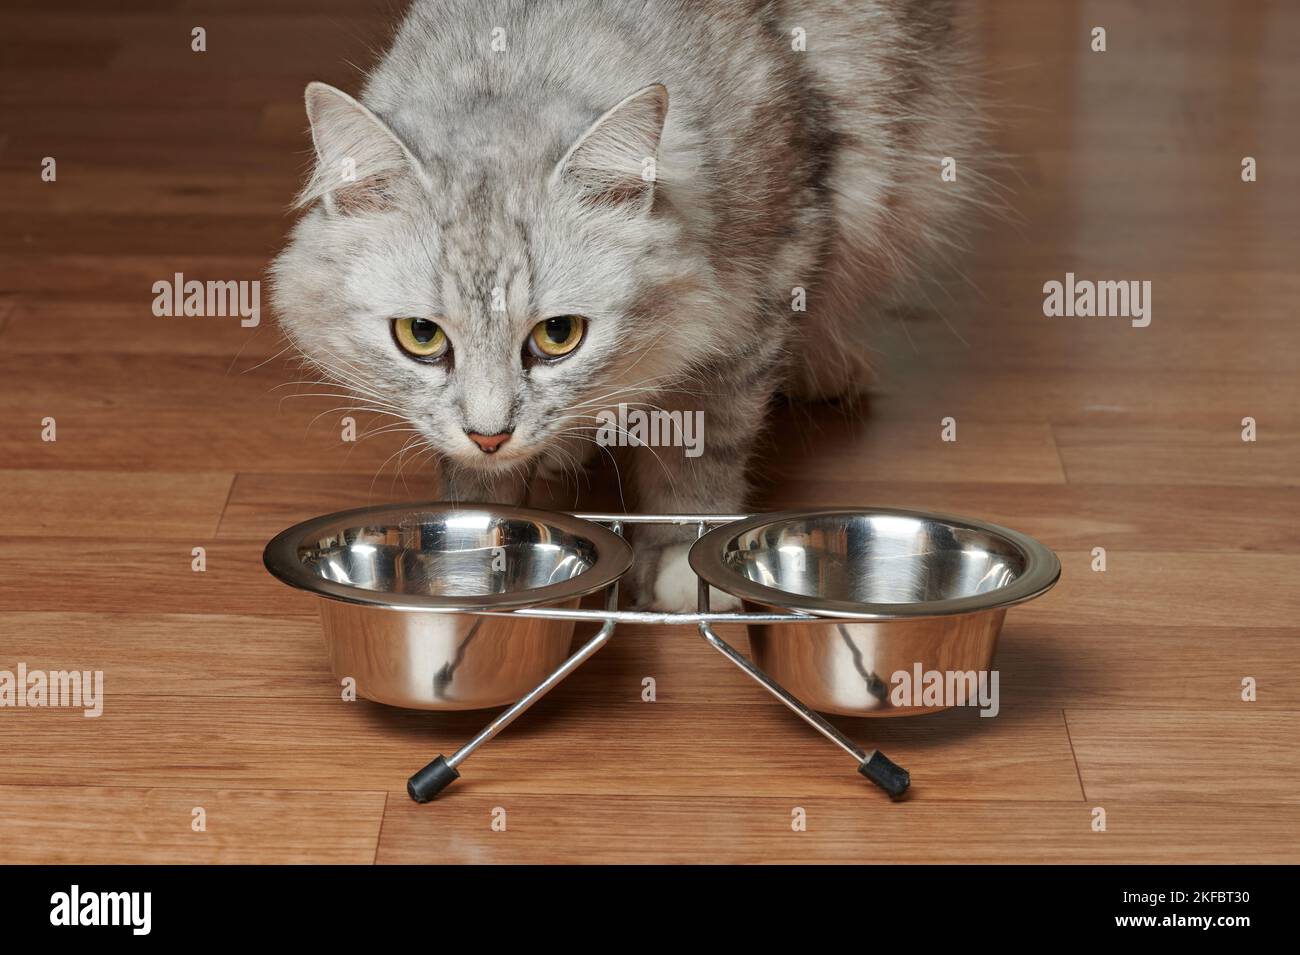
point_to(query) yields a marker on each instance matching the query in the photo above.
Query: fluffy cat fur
(492, 175)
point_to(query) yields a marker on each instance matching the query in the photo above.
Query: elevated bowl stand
(442, 771)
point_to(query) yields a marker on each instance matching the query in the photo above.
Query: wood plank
(563, 746)
(106, 190)
(109, 274)
(751, 830)
(148, 576)
(261, 505)
(1147, 667)
(45, 326)
(216, 656)
(1168, 758)
(1114, 402)
(97, 53)
(904, 450)
(324, 35)
(173, 380)
(1193, 350)
(251, 157)
(101, 825)
(70, 85)
(41, 124)
(1199, 26)
(1186, 589)
(102, 504)
(107, 439)
(78, 234)
(1190, 451)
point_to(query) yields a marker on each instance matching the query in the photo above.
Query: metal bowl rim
(1042, 569)
(613, 560)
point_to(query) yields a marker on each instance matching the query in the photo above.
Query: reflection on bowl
(377, 568)
(897, 590)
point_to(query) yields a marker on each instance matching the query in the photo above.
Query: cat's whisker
(348, 392)
(265, 361)
(357, 401)
(359, 387)
(359, 409)
(421, 446)
(424, 456)
(653, 453)
(409, 441)
(387, 429)
(634, 387)
(345, 373)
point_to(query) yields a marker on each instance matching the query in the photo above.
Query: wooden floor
(1121, 690)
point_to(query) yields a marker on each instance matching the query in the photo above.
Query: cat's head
(500, 276)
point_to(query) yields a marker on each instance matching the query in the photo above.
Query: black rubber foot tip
(886, 774)
(431, 780)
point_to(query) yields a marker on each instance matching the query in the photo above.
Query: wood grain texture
(101, 825)
(848, 831)
(1188, 755)
(1121, 689)
(262, 505)
(106, 504)
(192, 656)
(135, 330)
(597, 747)
(1186, 451)
(111, 439)
(1149, 667)
(156, 576)
(1193, 589)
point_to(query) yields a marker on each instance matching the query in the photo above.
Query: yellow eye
(556, 337)
(420, 338)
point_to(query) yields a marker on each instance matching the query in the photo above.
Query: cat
(537, 211)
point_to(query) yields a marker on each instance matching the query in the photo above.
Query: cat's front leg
(703, 472)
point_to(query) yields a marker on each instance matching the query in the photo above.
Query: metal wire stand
(442, 771)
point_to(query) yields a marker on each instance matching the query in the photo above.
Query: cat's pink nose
(489, 443)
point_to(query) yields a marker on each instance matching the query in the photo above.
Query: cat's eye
(555, 337)
(420, 338)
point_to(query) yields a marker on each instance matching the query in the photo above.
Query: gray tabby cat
(538, 210)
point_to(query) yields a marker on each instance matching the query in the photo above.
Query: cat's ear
(360, 162)
(614, 162)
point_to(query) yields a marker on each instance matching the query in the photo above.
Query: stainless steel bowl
(401, 585)
(896, 590)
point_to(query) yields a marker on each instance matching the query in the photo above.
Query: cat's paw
(675, 588)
